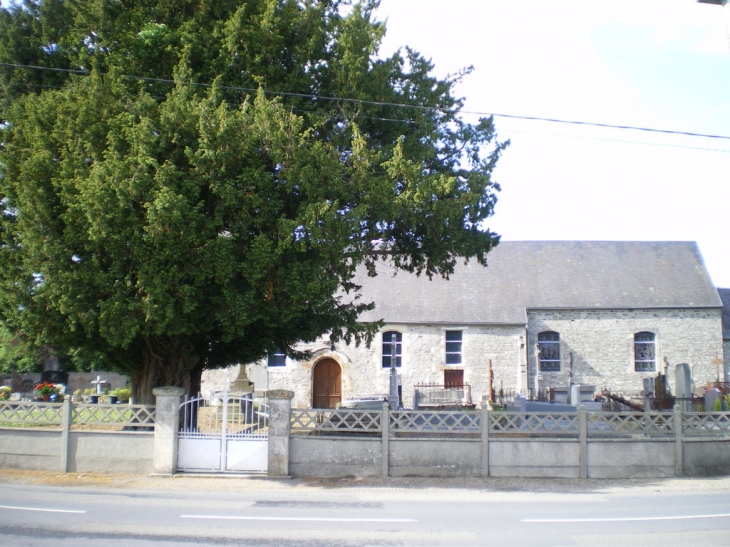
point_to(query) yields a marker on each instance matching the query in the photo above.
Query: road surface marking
(293, 519)
(39, 509)
(630, 519)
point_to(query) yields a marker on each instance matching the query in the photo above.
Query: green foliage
(162, 226)
(122, 393)
(16, 353)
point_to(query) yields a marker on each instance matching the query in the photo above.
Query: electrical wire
(389, 104)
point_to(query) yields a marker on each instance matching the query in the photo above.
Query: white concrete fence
(69, 437)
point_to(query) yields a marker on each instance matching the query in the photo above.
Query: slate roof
(550, 275)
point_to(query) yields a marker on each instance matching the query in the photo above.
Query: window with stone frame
(644, 352)
(453, 347)
(389, 339)
(548, 346)
(276, 358)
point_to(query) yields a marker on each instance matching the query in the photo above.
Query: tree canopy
(191, 184)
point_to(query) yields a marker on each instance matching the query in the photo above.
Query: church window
(276, 358)
(392, 339)
(548, 345)
(453, 347)
(644, 352)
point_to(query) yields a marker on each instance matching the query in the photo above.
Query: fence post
(167, 421)
(385, 437)
(678, 460)
(279, 431)
(65, 429)
(484, 426)
(583, 425)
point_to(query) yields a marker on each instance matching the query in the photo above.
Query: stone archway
(326, 384)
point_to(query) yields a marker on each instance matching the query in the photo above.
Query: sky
(660, 64)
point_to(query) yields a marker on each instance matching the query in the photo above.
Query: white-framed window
(548, 346)
(392, 339)
(276, 358)
(644, 352)
(453, 347)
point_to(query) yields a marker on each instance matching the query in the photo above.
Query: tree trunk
(169, 363)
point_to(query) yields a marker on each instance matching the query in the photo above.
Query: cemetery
(667, 436)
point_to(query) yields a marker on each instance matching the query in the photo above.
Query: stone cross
(393, 392)
(717, 361)
(99, 384)
(490, 382)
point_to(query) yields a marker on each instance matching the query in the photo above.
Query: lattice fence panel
(335, 420)
(434, 421)
(45, 414)
(113, 415)
(303, 421)
(617, 424)
(534, 424)
(702, 423)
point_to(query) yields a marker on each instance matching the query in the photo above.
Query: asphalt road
(394, 512)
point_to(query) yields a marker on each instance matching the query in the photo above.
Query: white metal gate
(226, 433)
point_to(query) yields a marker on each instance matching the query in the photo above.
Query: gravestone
(661, 388)
(259, 377)
(683, 381)
(561, 394)
(539, 383)
(241, 384)
(648, 386)
(580, 393)
(711, 396)
(54, 377)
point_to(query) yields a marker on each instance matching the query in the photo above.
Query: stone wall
(87, 451)
(600, 342)
(602, 345)
(423, 361)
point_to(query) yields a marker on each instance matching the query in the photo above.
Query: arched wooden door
(327, 389)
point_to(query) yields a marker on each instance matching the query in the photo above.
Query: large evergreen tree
(191, 183)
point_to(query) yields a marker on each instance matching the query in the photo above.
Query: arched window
(644, 352)
(548, 345)
(392, 339)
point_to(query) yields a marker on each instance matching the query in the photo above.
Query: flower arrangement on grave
(5, 393)
(46, 389)
(122, 393)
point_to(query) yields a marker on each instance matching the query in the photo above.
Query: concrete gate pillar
(279, 430)
(167, 420)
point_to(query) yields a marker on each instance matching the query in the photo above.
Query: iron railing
(223, 414)
(437, 395)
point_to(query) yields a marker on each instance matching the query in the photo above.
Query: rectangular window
(392, 340)
(453, 347)
(276, 358)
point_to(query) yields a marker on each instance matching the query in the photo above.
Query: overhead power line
(389, 104)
